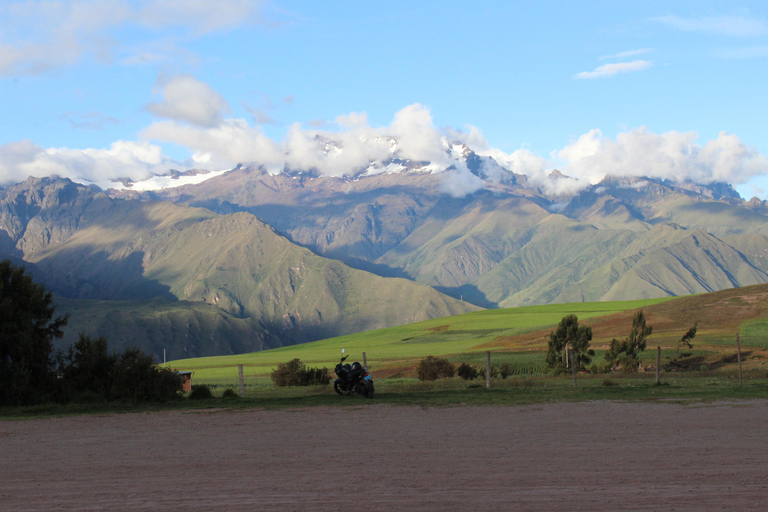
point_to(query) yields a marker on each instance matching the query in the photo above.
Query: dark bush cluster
(505, 370)
(433, 368)
(296, 373)
(230, 393)
(201, 392)
(30, 371)
(467, 372)
(87, 371)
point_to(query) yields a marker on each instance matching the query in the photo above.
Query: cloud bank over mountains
(191, 114)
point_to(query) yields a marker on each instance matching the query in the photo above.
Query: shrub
(86, 369)
(230, 393)
(467, 372)
(137, 379)
(296, 373)
(316, 377)
(506, 370)
(433, 368)
(200, 392)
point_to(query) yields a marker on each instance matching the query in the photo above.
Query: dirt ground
(565, 456)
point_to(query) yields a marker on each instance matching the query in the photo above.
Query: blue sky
(111, 88)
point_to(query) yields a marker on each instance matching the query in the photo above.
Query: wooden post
(738, 356)
(365, 362)
(658, 364)
(573, 367)
(242, 380)
(488, 369)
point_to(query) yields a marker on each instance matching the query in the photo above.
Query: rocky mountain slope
(509, 244)
(231, 271)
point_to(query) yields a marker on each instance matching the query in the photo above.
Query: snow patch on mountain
(161, 182)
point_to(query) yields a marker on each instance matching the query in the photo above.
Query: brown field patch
(718, 315)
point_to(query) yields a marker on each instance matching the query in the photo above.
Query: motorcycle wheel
(339, 389)
(369, 391)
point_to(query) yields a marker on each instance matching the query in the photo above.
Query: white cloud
(37, 36)
(607, 70)
(672, 155)
(89, 120)
(187, 99)
(418, 139)
(233, 141)
(352, 120)
(199, 16)
(196, 120)
(736, 26)
(624, 55)
(136, 160)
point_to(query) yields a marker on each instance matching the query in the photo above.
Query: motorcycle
(352, 378)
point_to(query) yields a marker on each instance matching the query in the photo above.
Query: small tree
(433, 368)
(137, 379)
(569, 333)
(467, 371)
(87, 367)
(296, 373)
(27, 331)
(685, 341)
(625, 354)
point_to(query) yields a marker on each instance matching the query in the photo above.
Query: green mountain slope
(177, 328)
(117, 250)
(511, 245)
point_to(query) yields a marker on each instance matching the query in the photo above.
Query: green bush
(88, 373)
(506, 370)
(296, 373)
(230, 393)
(467, 372)
(138, 379)
(433, 368)
(200, 392)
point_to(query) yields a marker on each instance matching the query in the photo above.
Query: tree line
(569, 345)
(31, 372)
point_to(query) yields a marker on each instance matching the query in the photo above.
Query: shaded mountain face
(206, 274)
(508, 244)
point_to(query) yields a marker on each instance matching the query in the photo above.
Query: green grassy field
(688, 387)
(462, 337)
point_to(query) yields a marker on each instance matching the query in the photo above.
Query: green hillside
(395, 348)
(178, 328)
(519, 335)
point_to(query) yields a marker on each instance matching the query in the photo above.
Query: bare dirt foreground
(564, 456)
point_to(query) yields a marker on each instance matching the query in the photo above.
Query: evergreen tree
(27, 331)
(569, 333)
(625, 354)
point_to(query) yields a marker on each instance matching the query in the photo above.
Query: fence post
(658, 364)
(242, 380)
(365, 362)
(738, 355)
(573, 366)
(488, 369)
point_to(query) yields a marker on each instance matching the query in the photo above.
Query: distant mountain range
(248, 259)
